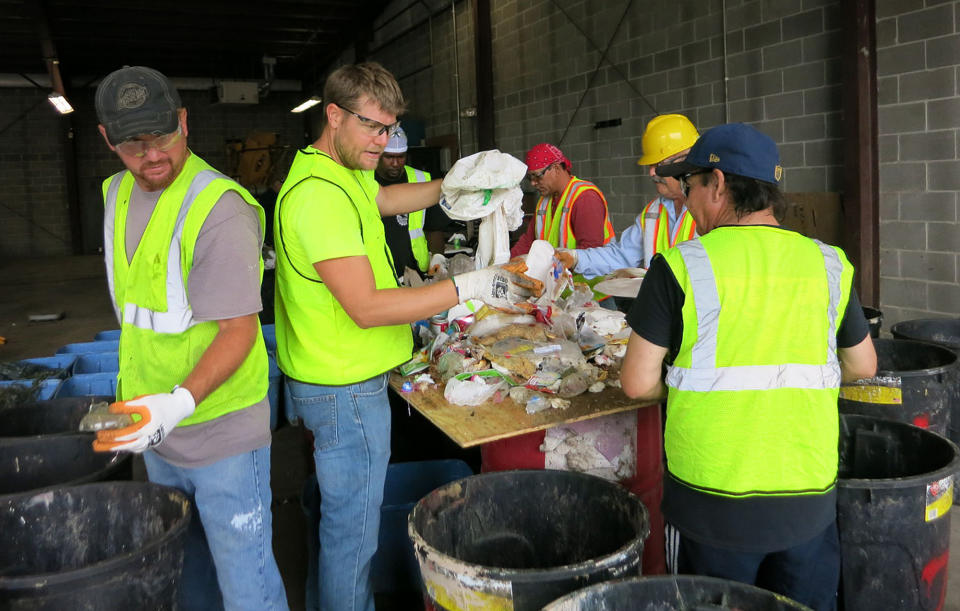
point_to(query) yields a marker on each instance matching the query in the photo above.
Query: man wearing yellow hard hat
(663, 222)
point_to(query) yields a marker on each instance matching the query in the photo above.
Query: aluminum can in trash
(438, 323)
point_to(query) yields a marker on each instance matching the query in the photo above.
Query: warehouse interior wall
(34, 208)
(563, 66)
(587, 75)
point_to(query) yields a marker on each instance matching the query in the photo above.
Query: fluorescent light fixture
(308, 104)
(60, 103)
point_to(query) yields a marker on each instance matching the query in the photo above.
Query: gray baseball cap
(136, 101)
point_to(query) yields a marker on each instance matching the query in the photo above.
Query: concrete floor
(76, 286)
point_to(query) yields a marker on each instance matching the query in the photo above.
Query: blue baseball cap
(733, 148)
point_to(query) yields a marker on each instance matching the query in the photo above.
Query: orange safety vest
(555, 228)
(655, 222)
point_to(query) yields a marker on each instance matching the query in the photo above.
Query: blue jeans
(351, 428)
(229, 538)
(808, 573)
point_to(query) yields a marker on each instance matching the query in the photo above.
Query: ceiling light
(308, 104)
(60, 103)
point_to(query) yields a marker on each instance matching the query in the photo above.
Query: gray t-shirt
(224, 282)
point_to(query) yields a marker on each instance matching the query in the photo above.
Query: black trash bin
(913, 384)
(29, 463)
(674, 593)
(894, 496)
(520, 539)
(50, 417)
(943, 332)
(104, 546)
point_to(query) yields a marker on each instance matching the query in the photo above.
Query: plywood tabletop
(490, 421)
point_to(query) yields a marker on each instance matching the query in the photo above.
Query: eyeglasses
(374, 128)
(538, 175)
(669, 160)
(139, 148)
(685, 181)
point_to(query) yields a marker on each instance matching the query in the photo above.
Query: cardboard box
(816, 215)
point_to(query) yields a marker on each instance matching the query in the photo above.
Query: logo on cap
(131, 95)
(777, 172)
(714, 158)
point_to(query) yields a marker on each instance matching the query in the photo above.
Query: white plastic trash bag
(473, 388)
(486, 185)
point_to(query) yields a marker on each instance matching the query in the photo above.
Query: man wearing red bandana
(571, 212)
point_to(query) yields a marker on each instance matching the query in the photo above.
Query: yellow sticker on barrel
(881, 395)
(465, 590)
(939, 498)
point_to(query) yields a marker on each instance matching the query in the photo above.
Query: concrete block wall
(551, 84)
(918, 78)
(33, 204)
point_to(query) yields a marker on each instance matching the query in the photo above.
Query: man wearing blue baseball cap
(757, 325)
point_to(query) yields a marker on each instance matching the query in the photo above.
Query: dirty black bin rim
(612, 560)
(32, 582)
(951, 468)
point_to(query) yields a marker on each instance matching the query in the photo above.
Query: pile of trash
(551, 348)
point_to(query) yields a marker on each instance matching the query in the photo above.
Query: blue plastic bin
(59, 361)
(112, 334)
(48, 387)
(395, 567)
(275, 378)
(97, 362)
(89, 384)
(270, 337)
(88, 347)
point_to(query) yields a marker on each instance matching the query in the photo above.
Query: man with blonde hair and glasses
(342, 322)
(182, 248)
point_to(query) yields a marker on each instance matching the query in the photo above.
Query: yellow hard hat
(665, 136)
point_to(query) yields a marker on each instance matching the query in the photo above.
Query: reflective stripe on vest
(704, 376)
(415, 220)
(556, 229)
(179, 316)
(657, 236)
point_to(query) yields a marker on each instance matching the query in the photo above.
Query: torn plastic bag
(485, 186)
(474, 388)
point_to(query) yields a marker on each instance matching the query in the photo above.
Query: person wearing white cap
(411, 237)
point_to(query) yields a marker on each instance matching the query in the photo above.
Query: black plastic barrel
(914, 384)
(103, 547)
(894, 500)
(674, 593)
(520, 539)
(51, 417)
(28, 463)
(943, 332)
(874, 319)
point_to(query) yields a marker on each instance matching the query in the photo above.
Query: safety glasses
(139, 148)
(532, 176)
(685, 181)
(374, 128)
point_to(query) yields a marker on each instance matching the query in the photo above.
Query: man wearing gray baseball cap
(182, 248)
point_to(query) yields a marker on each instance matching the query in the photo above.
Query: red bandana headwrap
(543, 155)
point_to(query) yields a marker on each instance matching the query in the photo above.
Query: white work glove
(495, 286)
(159, 414)
(438, 265)
(568, 257)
